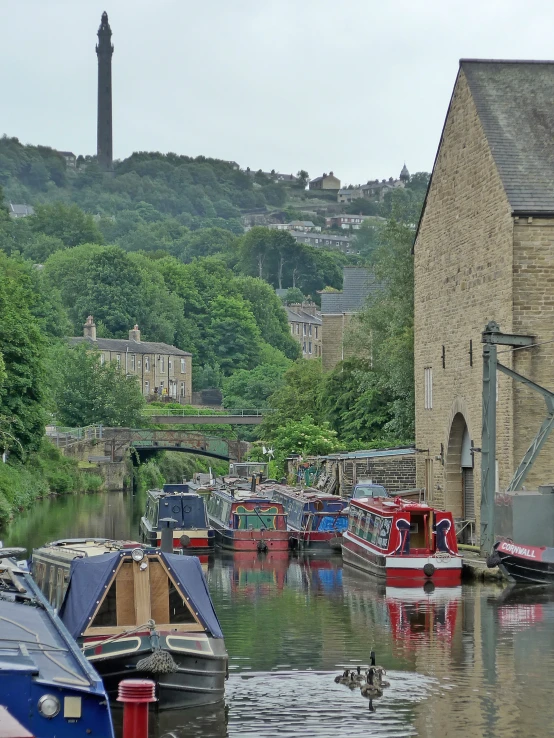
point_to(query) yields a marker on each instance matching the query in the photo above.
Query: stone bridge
(146, 440)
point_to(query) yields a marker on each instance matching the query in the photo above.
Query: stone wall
(332, 343)
(533, 315)
(463, 279)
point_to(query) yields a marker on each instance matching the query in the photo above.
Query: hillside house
(325, 182)
(162, 370)
(305, 325)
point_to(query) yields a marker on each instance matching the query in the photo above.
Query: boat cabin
(368, 489)
(186, 508)
(311, 510)
(248, 469)
(240, 510)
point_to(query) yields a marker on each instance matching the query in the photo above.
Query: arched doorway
(460, 493)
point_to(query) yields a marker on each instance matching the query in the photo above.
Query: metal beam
(488, 447)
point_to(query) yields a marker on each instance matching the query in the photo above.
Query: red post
(135, 695)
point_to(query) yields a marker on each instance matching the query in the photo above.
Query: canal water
(476, 660)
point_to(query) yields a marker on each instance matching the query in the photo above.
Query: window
(297, 329)
(183, 366)
(304, 328)
(182, 389)
(133, 362)
(147, 388)
(304, 347)
(169, 364)
(118, 359)
(316, 331)
(161, 388)
(291, 328)
(102, 359)
(310, 347)
(310, 330)
(147, 363)
(162, 363)
(428, 372)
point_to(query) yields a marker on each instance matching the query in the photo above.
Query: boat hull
(201, 540)
(400, 570)
(315, 542)
(251, 540)
(524, 564)
(199, 678)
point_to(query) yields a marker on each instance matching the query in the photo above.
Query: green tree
(252, 388)
(303, 178)
(88, 393)
(293, 296)
(233, 334)
(66, 222)
(301, 394)
(305, 437)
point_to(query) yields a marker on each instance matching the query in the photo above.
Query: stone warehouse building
(305, 326)
(485, 251)
(162, 370)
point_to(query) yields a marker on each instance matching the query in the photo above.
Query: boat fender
(493, 559)
(185, 541)
(159, 662)
(262, 547)
(429, 569)
(293, 543)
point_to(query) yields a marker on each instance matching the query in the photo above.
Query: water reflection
(473, 660)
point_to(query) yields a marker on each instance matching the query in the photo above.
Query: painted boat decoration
(522, 563)
(192, 532)
(142, 614)
(316, 521)
(46, 683)
(406, 543)
(246, 522)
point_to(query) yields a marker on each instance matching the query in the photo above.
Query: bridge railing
(181, 412)
(63, 436)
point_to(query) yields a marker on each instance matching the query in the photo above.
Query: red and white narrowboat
(405, 543)
(244, 521)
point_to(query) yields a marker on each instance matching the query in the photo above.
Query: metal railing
(181, 412)
(64, 437)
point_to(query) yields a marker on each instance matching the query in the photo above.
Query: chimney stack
(90, 329)
(134, 335)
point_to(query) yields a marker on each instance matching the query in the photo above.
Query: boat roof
(89, 580)
(34, 640)
(304, 494)
(389, 505)
(159, 493)
(242, 495)
(72, 548)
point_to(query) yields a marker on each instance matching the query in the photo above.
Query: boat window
(247, 518)
(51, 583)
(369, 490)
(38, 573)
(59, 586)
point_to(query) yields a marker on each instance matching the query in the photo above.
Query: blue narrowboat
(192, 531)
(316, 521)
(46, 683)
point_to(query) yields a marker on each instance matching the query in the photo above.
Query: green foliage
(305, 437)
(293, 296)
(88, 393)
(361, 206)
(298, 396)
(252, 388)
(68, 223)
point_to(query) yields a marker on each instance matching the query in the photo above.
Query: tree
(66, 222)
(234, 337)
(361, 206)
(303, 178)
(299, 395)
(255, 248)
(252, 388)
(23, 351)
(304, 437)
(293, 296)
(367, 238)
(88, 393)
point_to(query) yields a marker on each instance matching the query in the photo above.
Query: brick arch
(457, 423)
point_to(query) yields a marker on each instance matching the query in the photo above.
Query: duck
(353, 683)
(371, 690)
(344, 679)
(379, 670)
(358, 676)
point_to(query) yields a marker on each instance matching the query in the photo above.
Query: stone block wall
(463, 279)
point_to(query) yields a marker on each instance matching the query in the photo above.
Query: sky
(357, 87)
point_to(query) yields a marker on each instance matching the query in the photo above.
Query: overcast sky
(353, 86)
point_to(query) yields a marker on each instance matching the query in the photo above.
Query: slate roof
(515, 103)
(358, 285)
(134, 347)
(300, 316)
(21, 210)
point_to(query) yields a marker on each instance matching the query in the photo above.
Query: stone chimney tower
(134, 335)
(90, 329)
(104, 51)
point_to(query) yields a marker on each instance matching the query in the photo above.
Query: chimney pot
(90, 328)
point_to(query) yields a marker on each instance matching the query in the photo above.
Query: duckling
(344, 679)
(353, 683)
(371, 690)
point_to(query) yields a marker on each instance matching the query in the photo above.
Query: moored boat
(406, 543)
(46, 683)
(316, 521)
(522, 563)
(244, 521)
(142, 614)
(191, 530)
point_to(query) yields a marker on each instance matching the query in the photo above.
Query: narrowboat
(192, 533)
(522, 563)
(406, 543)
(46, 683)
(315, 521)
(246, 522)
(139, 613)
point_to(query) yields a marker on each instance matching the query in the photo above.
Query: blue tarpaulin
(89, 580)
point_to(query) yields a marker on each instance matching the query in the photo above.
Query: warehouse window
(428, 373)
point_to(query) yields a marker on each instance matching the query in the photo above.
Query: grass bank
(45, 473)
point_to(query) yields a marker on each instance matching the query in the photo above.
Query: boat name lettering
(520, 550)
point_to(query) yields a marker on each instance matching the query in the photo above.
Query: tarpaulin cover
(88, 579)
